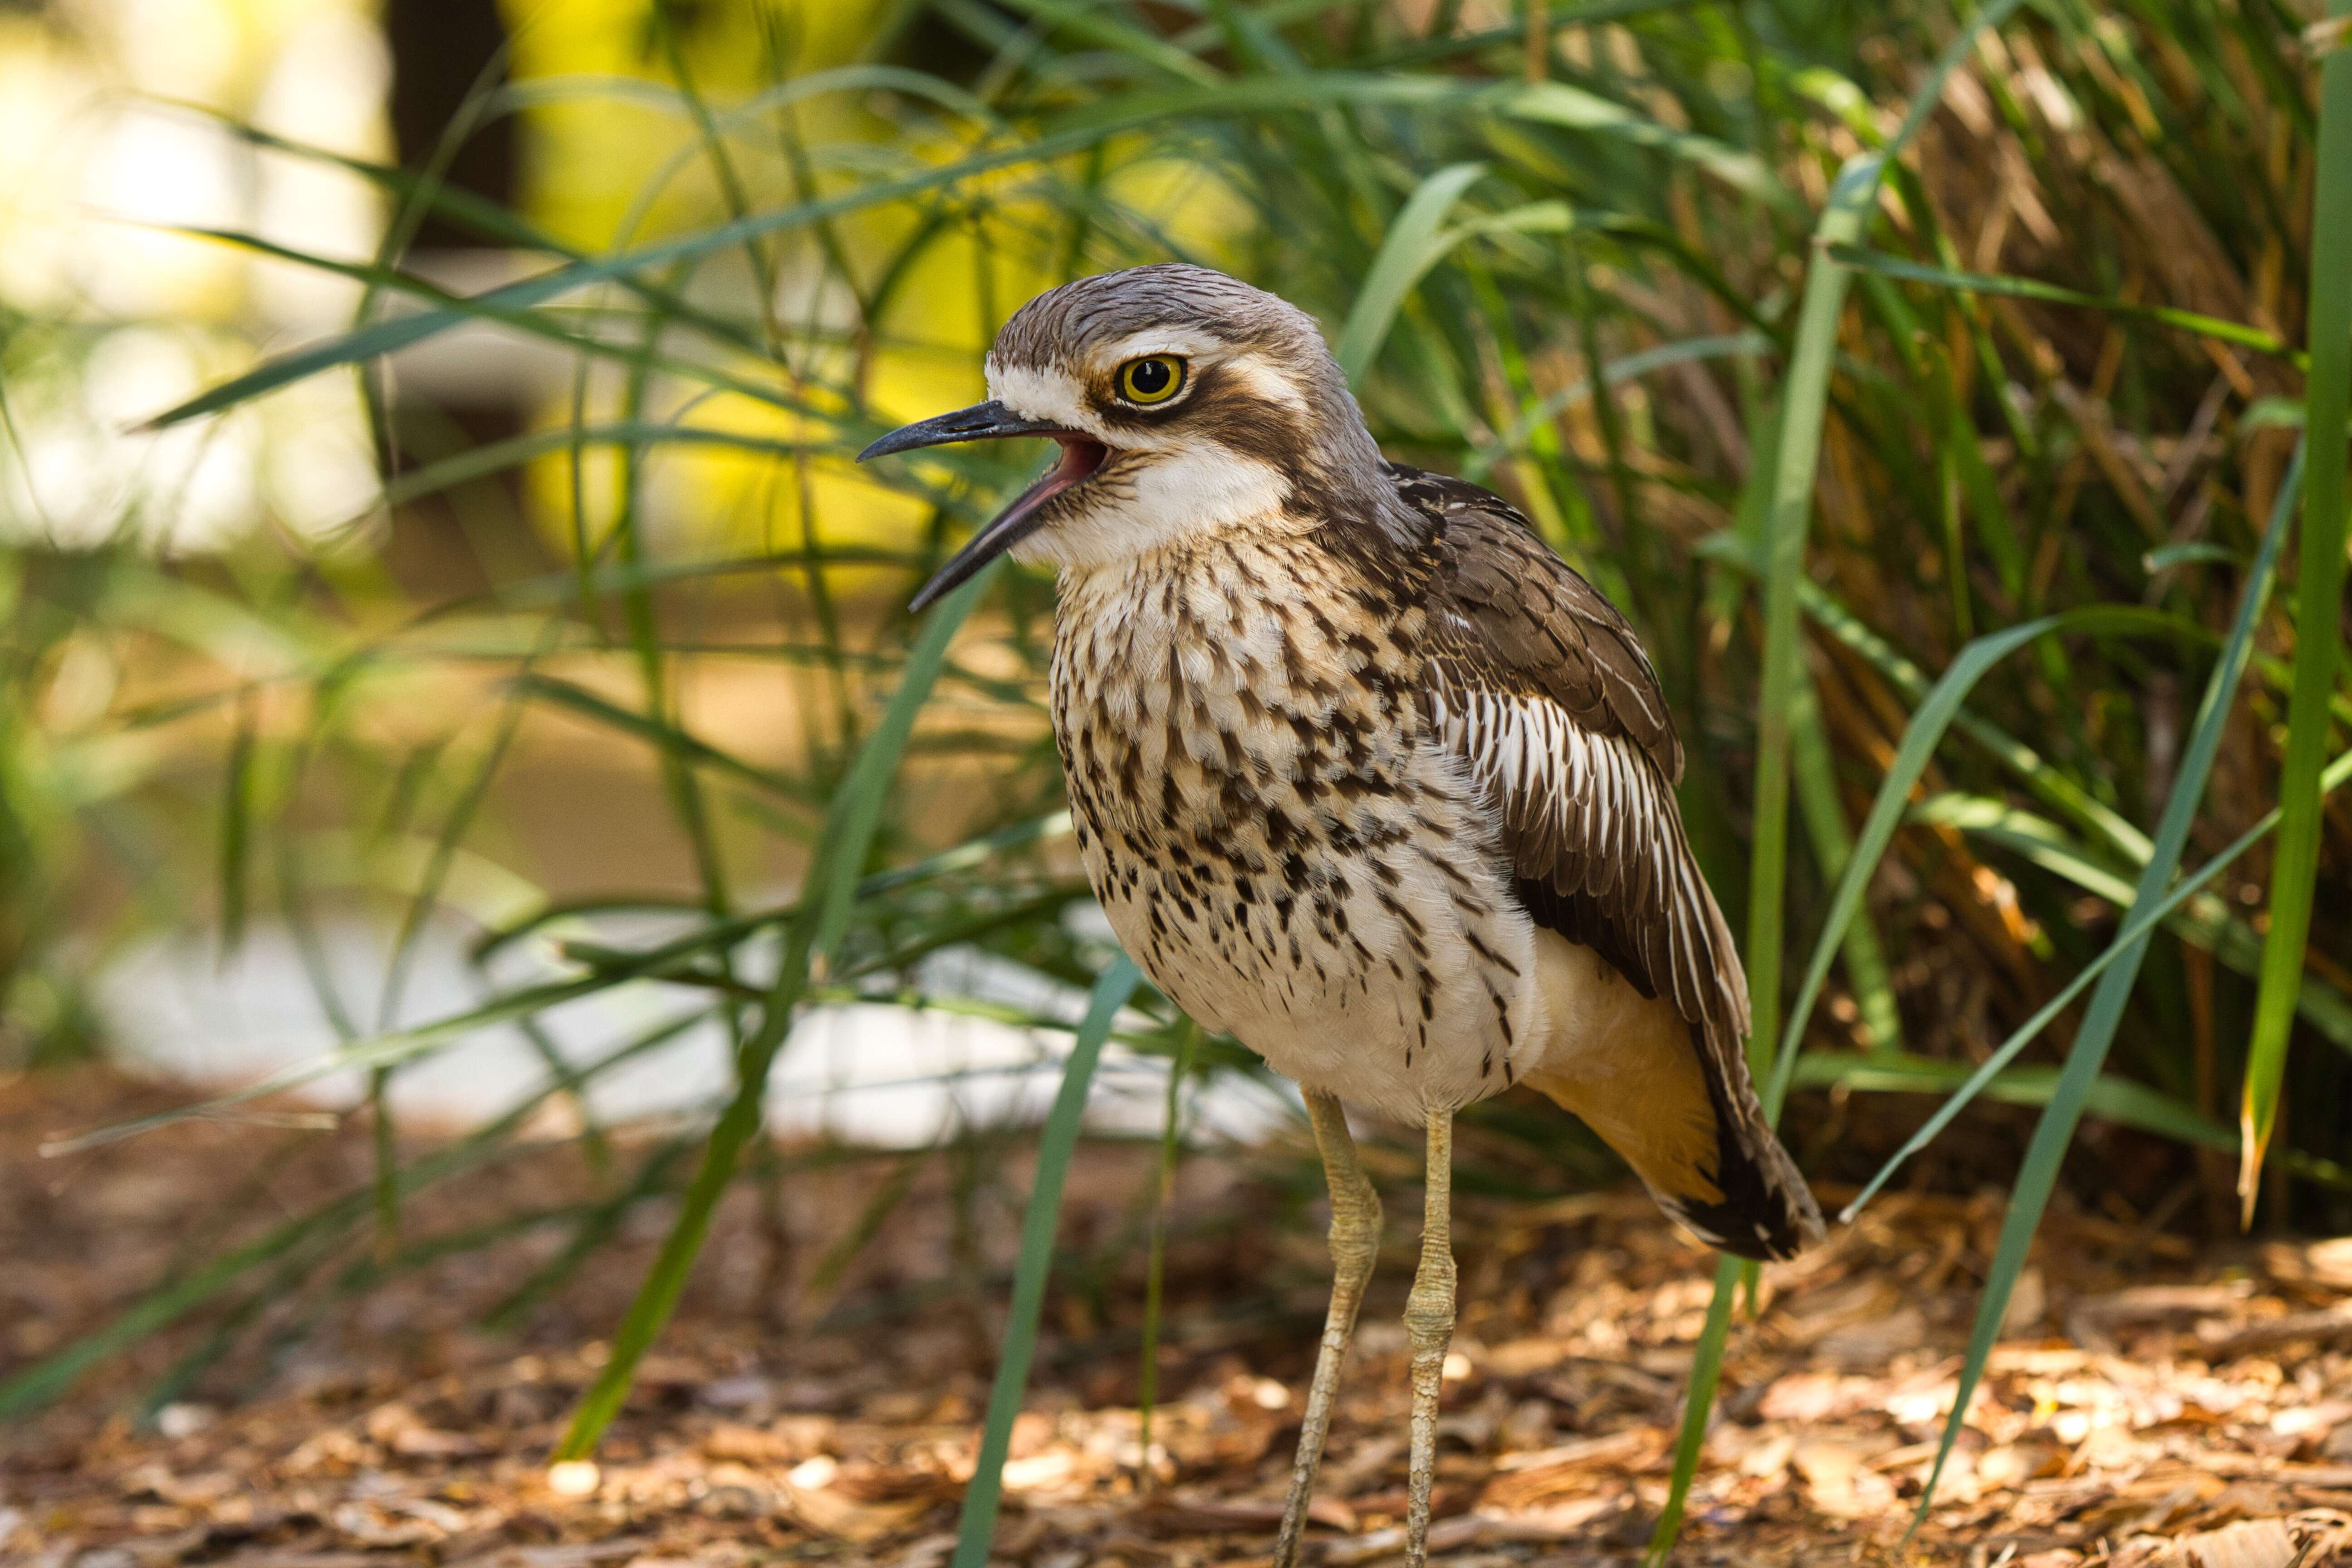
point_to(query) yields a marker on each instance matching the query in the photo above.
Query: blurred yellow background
(118, 127)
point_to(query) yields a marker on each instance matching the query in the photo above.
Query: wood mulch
(2150, 1406)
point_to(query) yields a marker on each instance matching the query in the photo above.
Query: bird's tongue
(1080, 458)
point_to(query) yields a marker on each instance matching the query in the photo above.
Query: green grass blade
(1833, 841)
(2204, 921)
(44, 1380)
(446, 841)
(2055, 1130)
(849, 830)
(2058, 788)
(2213, 327)
(514, 451)
(383, 1141)
(887, 1195)
(1936, 713)
(378, 277)
(859, 801)
(666, 735)
(1803, 405)
(2318, 604)
(1147, 1395)
(2117, 1100)
(513, 303)
(592, 1230)
(1616, 372)
(2033, 838)
(657, 1297)
(1096, 26)
(2142, 924)
(1698, 1408)
(362, 1055)
(2142, 921)
(1788, 516)
(236, 824)
(1411, 247)
(1574, 109)
(1055, 1148)
(1921, 737)
(38, 1384)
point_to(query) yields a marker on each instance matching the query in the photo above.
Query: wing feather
(1544, 689)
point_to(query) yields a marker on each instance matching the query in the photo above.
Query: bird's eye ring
(1154, 378)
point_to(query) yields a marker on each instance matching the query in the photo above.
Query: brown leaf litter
(2146, 1409)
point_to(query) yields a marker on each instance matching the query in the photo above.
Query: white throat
(1143, 504)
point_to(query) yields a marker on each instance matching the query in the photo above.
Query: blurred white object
(874, 1073)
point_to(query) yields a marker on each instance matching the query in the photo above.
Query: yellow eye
(1155, 378)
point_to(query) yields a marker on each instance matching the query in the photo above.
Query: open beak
(1081, 456)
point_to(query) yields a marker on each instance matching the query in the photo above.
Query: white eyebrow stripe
(1267, 383)
(1157, 340)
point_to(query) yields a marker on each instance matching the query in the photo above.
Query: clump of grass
(1933, 429)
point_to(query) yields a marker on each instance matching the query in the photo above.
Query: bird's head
(1185, 402)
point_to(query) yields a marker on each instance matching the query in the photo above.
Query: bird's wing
(1542, 686)
(1543, 691)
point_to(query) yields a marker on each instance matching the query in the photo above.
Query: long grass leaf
(1575, 109)
(859, 800)
(1071, 133)
(1097, 26)
(1698, 1409)
(2087, 1054)
(591, 1230)
(663, 732)
(1884, 266)
(237, 821)
(2141, 924)
(1825, 827)
(1055, 1146)
(855, 810)
(406, 1044)
(47, 1379)
(1805, 401)
(1616, 372)
(2113, 1098)
(2203, 922)
(1929, 723)
(1803, 405)
(2058, 788)
(1147, 1393)
(2319, 600)
(1410, 249)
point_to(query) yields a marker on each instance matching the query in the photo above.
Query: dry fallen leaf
(2305, 1541)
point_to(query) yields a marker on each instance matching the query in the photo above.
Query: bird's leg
(1355, 1242)
(1428, 1330)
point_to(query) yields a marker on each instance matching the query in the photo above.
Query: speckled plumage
(1277, 834)
(1290, 758)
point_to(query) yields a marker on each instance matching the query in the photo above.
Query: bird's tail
(1689, 1125)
